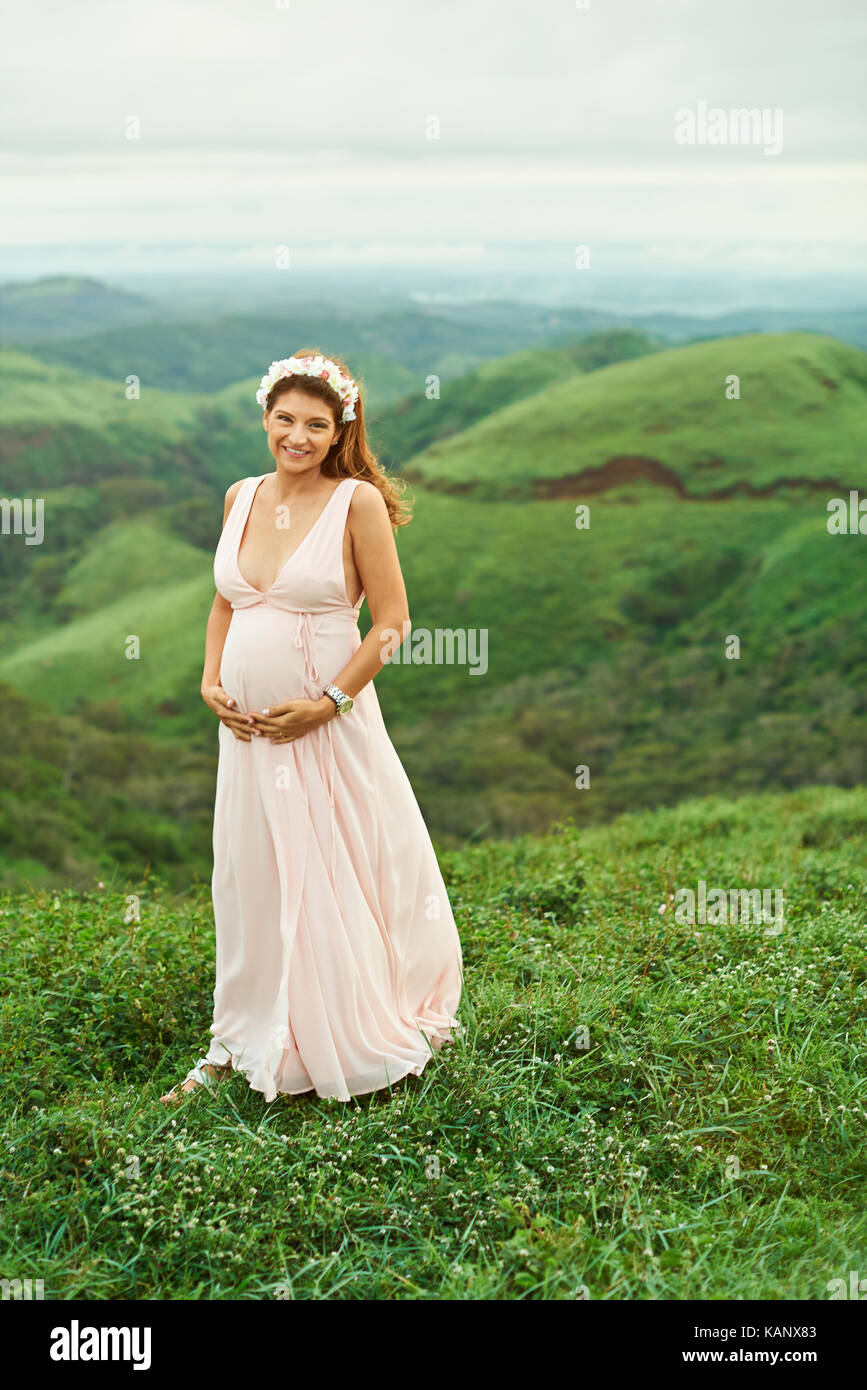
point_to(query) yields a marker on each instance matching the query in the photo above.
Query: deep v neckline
(265, 592)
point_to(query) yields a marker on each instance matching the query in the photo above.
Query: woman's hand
(225, 709)
(285, 723)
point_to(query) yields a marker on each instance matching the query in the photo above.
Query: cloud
(269, 124)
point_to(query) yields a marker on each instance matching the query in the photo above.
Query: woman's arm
(219, 619)
(375, 555)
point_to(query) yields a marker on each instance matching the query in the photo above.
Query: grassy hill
(638, 1108)
(61, 428)
(669, 574)
(96, 457)
(801, 418)
(82, 800)
(606, 648)
(127, 556)
(415, 423)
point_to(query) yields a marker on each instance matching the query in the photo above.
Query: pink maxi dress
(338, 961)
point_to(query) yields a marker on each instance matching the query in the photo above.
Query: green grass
(706, 1142)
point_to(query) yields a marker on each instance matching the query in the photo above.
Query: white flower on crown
(311, 366)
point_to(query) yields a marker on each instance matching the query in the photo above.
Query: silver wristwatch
(341, 700)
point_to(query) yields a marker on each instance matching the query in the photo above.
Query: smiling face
(301, 430)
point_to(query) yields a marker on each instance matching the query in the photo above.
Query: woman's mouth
(296, 453)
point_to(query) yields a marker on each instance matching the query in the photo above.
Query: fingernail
(266, 711)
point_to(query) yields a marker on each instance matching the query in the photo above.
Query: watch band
(340, 698)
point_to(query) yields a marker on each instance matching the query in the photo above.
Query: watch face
(345, 706)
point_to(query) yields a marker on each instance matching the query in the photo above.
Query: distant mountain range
(82, 323)
(66, 306)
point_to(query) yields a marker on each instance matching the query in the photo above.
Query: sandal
(199, 1077)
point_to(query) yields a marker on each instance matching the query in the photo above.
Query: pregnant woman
(338, 966)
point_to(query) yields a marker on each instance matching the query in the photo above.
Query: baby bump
(262, 665)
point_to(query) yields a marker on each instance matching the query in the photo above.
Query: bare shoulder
(367, 502)
(231, 494)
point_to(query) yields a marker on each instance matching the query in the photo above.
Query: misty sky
(269, 125)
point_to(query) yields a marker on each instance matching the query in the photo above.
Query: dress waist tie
(304, 640)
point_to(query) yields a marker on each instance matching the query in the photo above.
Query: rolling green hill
(605, 648)
(83, 664)
(80, 799)
(390, 353)
(128, 556)
(60, 427)
(605, 644)
(206, 356)
(569, 426)
(413, 424)
(801, 418)
(94, 456)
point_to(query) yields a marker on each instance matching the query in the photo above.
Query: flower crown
(312, 366)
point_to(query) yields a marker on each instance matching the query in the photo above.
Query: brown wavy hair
(351, 456)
